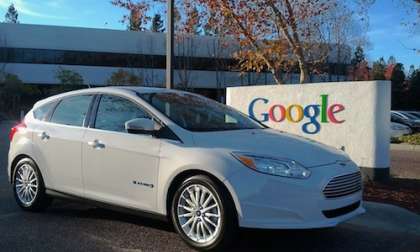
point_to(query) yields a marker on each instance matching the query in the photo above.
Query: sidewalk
(405, 161)
(405, 147)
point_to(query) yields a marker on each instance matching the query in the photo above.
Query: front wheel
(203, 214)
(28, 186)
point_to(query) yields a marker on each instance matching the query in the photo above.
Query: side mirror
(141, 126)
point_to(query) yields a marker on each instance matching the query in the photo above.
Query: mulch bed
(401, 192)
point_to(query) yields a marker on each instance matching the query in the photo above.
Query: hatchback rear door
(58, 144)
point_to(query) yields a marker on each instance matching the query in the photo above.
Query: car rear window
(72, 110)
(42, 112)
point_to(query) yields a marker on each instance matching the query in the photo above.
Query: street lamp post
(170, 45)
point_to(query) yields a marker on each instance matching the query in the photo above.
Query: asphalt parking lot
(76, 227)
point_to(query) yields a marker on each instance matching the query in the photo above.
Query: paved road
(73, 227)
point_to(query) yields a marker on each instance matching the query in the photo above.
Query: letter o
(299, 111)
(272, 115)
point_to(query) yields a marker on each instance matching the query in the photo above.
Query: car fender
(219, 174)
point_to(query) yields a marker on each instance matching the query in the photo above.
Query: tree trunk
(277, 77)
(292, 37)
(254, 44)
(304, 73)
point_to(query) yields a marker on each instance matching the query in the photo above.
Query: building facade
(36, 52)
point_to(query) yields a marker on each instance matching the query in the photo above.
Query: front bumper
(265, 201)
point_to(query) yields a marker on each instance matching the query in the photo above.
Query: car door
(118, 167)
(58, 143)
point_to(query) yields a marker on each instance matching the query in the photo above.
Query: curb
(405, 147)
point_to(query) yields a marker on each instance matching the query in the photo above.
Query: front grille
(343, 185)
(341, 211)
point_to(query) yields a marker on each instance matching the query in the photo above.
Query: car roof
(110, 89)
(144, 90)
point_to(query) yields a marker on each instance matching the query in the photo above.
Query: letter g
(251, 110)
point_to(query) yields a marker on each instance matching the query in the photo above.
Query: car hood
(272, 143)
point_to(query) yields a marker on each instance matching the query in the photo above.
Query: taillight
(15, 129)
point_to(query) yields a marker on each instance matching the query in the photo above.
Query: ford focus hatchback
(202, 165)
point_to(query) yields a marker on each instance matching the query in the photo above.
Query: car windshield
(197, 113)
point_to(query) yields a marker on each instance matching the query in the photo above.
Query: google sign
(295, 113)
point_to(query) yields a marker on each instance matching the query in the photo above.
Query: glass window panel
(114, 111)
(72, 110)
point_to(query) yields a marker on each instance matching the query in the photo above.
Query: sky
(386, 35)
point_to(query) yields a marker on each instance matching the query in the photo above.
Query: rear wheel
(203, 215)
(28, 186)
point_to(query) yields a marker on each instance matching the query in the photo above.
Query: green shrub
(395, 140)
(15, 95)
(411, 139)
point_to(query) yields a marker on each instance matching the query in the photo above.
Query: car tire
(210, 225)
(29, 187)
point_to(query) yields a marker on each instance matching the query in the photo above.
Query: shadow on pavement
(86, 211)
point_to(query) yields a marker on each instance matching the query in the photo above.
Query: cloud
(54, 3)
(24, 8)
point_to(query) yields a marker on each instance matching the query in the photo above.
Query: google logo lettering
(295, 113)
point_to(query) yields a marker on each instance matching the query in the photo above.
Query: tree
(359, 56)
(124, 78)
(415, 88)
(378, 69)
(137, 13)
(410, 20)
(185, 49)
(272, 35)
(218, 49)
(275, 35)
(411, 71)
(11, 15)
(192, 23)
(360, 72)
(14, 94)
(68, 77)
(391, 60)
(342, 31)
(11, 91)
(388, 71)
(398, 77)
(134, 22)
(157, 24)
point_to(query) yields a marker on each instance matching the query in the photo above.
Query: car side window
(114, 111)
(42, 112)
(72, 110)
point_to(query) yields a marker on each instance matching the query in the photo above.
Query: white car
(179, 156)
(398, 129)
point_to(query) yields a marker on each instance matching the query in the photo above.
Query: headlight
(273, 166)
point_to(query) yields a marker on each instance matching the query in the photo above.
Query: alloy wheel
(26, 184)
(199, 214)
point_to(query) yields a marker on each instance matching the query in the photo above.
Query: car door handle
(96, 144)
(44, 136)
